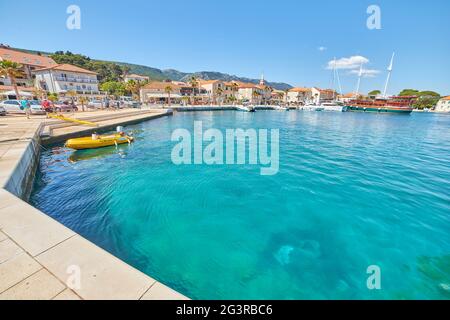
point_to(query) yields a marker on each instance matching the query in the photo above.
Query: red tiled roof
(26, 58)
(69, 68)
(298, 89)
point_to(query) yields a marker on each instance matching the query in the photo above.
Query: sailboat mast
(390, 68)
(359, 79)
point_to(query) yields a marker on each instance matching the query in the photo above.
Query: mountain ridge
(176, 75)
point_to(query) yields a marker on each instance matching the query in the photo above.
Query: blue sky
(281, 38)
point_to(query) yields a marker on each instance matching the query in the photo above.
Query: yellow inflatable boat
(99, 141)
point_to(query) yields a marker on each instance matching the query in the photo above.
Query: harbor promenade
(39, 257)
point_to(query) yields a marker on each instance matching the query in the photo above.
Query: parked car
(2, 111)
(65, 106)
(14, 106)
(95, 104)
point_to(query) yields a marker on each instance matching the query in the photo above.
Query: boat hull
(102, 141)
(379, 109)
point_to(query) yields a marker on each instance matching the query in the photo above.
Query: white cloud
(354, 62)
(366, 73)
(322, 49)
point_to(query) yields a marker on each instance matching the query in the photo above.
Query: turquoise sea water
(353, 190)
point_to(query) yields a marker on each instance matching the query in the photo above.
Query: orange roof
(203, 82)
(159, 85)
(446, 98)
(325, 90)
(69, 68)
(298, 89)
(351, 95)
(245, 85)
(26, 58)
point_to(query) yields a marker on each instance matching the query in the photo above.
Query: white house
(250, 92)
(299, 95)
(443, 105)
(214, 88)
(319, 95)
(135, 77)
(65, 77)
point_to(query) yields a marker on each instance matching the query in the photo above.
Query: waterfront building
(250, 92)
(214, 89)
(443, 105)
(278, 97)
(29, 62)
(318, 95)
(62, 78)
(299, 95)
(230, 92)
(156, 92)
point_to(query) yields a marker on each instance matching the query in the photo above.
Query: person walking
(25, 105)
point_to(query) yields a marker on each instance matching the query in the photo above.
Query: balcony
(78, 80)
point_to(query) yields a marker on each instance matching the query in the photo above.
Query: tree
(168, 90)
(374, 93)
(83, 101)
(72, 94)
(114, 88)
(53, 97)
(194, 84)
(39, 93)
(134, 87)
(12, 70)
(107, 71)
(219, 93)
(408, 92)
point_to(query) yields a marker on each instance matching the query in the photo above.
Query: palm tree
(194, 84)
(12, 70)
(83, 101)
(255, 94)
(135, 87)
(168, 90)
(72, 94)
(280, 96)
(39, 93)
(286, 92)
(219, 93)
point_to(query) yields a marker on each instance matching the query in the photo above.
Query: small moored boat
(98, 141)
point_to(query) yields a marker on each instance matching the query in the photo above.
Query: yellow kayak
(99, 142)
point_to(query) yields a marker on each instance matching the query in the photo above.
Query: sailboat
(334, 105)
(384, 104)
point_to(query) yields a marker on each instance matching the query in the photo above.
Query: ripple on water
(353, 190)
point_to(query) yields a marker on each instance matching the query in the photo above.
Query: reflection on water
(88, 154)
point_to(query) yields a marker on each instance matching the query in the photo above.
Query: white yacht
(333, 106)
(245, 108)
